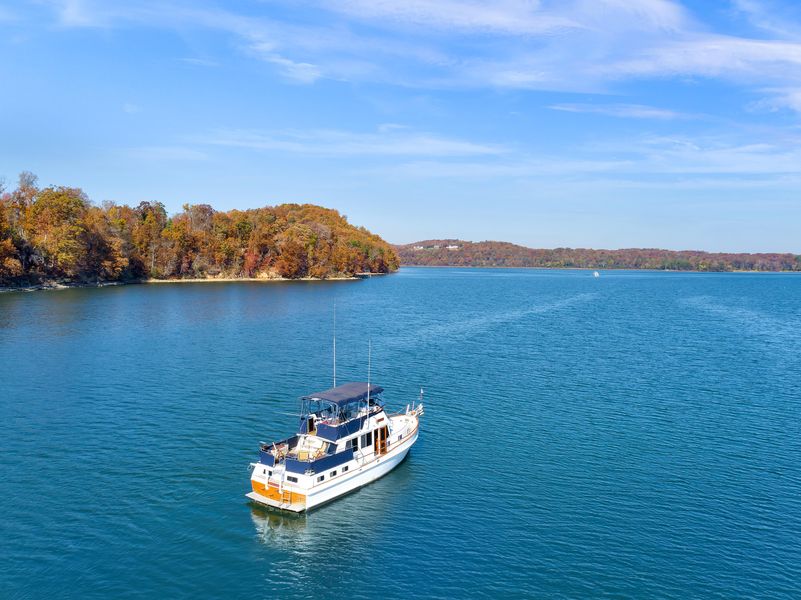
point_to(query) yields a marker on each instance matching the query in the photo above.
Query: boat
(345, 440)
(596, 274)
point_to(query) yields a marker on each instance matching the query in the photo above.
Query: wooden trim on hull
(265, 501)
(279, 497)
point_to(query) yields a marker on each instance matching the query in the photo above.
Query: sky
(578, 123)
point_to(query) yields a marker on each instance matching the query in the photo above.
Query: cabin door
(381, 440)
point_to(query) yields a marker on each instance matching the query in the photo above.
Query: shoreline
(246, 279)
(588, 269)
(56, 285)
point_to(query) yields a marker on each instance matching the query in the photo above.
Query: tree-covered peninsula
(458, 253)
(55, 234)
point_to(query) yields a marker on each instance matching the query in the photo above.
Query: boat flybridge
(345, 440)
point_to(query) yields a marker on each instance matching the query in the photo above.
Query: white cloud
(301, 72)
(778, 99)
(504, 16)
(131, 108)
(200, 62)
(168, 153)
(516, 167)
(557, 45)
(714, 56)
(388, 127)
(790, 99)
(651, 160)
(392, 142)
(81, 13)
(706, 156)
(631, 111)
(770, 17)
(257, 35)
(6, 16)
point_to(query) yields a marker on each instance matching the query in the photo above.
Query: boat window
(354, 443)
(345, 469)
(292, 479)
(269, 473)
(367, 439)
(333, 473)
(321, 478)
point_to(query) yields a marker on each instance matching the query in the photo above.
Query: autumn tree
(55, 222)
(104, 253)
(57, 233)
(10, 265)
(147, 232)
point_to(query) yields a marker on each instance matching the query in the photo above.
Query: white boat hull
(358, 475)
(363, 476)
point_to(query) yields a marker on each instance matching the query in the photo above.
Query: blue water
(635, 435)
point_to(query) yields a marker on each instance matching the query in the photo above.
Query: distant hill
(459, 253)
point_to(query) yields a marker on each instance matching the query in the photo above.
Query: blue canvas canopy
(346, 393)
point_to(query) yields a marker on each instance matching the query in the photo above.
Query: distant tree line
(57, 234)
(504, 254)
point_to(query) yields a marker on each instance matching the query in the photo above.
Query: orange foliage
(56, 233)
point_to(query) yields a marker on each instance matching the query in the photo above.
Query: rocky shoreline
(60, 285)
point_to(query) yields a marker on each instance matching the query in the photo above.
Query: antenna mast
(335, 343)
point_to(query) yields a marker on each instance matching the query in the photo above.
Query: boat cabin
(334, 424)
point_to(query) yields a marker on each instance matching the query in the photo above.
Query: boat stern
(276, 495)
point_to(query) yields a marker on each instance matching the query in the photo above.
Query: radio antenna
(335, 343)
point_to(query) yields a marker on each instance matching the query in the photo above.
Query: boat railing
(273, 453)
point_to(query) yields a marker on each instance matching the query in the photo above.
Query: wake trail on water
(786, 332)
(473, 325)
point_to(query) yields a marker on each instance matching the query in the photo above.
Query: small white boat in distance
(596, 274)
(345, 440)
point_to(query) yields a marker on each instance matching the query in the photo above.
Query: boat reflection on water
(276, 527)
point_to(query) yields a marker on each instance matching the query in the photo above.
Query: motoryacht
(345, 440)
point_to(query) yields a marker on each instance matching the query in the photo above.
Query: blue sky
(583, 123)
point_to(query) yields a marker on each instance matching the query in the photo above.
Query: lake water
(629, 436)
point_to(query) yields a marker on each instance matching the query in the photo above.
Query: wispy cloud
(629, 111)
(713, 56)
(566, 45)
(200, 62)
(327, 142)
(705, 155)
(82, 13)
(6, 16)
(507, 16)
(131, 108)
(406, 153)
(778, 99)
(771, 17)
(301, 72)
(167, 153)
(662, 160)
(519, 167)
